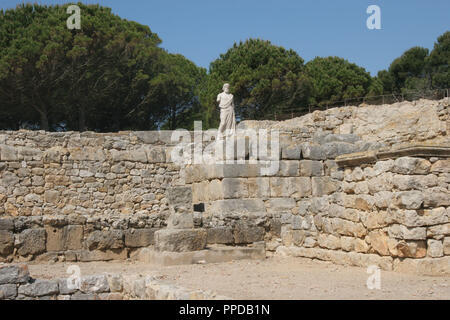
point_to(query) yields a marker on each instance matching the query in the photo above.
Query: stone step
(212, 254)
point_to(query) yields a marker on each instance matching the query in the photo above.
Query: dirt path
(274, 278)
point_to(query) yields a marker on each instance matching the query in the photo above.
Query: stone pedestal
(180, 235)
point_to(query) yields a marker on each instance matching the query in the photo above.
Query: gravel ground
(273, 278)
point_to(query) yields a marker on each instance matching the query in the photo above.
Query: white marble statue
(227, 125)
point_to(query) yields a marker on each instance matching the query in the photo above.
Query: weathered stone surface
(311, 168)
(220, 235)
(7, 224)
(136, 238)
(94, 284)
(179, 240)
(181, 220)
(281, 204)
(435, 248)
(245, 232)
(441, 166)
(409, 199)
(237, 206)
(66, 238)
(291, 152)
(409, 165)
(446, 245)
(6, 242)
(102, 255)
(180, 198)
(426, 266)
(8, 291)
(323, 186)
(40, 288)
(418, 218)
(313, 152)
(288, 168)
(14, 274)
(31, 241)
(436, 197)
(398, 231)
(234, 188)
(103, 240)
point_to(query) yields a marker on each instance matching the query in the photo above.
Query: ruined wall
(16, 284)
(389, 208)
(82, 196)
(389, 124)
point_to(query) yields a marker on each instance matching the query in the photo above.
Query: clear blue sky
(203, 29)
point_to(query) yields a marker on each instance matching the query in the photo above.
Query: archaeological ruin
(361, 185)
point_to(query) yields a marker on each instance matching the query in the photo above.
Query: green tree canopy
(102, 77)
(336, 79)
(264, 78)
(439, 62)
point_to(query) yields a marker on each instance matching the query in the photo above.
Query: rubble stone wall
(17, 284)
(389, 208)
(82, 196)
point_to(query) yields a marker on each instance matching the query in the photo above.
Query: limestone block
(86, 154)
(439, 231)
(94, 284)
(435, 248)
(441, 166)
(291, 152)
(311, 168)
(293, 237)
(101, 255)
(446, 245)
(288, 168)
(245, 232)
(409, 199)
(313, 152)
(426, 266)
(334, 149)
(409, 165)
(103, 240)
(239, 206)
(7, 224)
(220, 235)
(281, 204)
(65, 238)
(31, 241)
(329, 241)
(156, 154)
(8, 291)
(234, 188)
(40, 288)
(180, 198)
(323, 186)
(398, 231)
(8, 153)
(14, 274)
(258, 187)
(181, 220)
(135, 238)
(419, 218)
(180, 240)
(436, 197)
(6, 242)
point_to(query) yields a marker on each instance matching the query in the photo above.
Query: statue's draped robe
(227, 125)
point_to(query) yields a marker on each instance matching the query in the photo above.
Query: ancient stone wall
(17, 284)
(389, 208)
(82, 196)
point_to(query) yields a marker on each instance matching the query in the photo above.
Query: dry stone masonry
(363, 186)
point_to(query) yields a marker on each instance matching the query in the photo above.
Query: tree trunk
(81, 118)
(44, 121)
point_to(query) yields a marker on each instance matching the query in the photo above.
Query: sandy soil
(273, 278)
